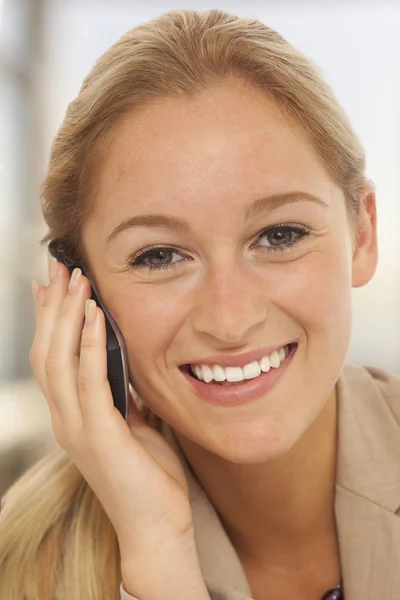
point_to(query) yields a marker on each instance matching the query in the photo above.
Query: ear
(365, 247)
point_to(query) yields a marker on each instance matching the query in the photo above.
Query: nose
(230, 306)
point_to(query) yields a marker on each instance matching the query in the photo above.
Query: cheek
(316, 291)
(149, 317)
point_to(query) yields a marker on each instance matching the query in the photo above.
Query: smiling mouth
(240, 377)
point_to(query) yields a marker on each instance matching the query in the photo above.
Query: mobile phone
(117, 362)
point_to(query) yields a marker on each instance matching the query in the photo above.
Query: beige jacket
(367, 496)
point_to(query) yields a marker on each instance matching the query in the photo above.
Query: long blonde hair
(53, 530)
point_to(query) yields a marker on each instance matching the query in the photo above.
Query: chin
(254, 444)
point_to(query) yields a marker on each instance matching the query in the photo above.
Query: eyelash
(136, 261)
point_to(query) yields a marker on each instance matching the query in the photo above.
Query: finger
(95, 395)
(63, 357)
(48, 300)
(34, 354)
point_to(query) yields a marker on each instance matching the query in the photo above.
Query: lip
(241, 393)
(239, 360)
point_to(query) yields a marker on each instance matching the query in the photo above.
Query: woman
(214, 189)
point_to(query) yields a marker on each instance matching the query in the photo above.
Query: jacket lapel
(368, 488)
(369, 541)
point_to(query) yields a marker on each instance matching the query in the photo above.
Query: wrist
(168, 572)
(135, 549)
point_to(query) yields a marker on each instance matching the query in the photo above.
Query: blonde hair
(52, 528)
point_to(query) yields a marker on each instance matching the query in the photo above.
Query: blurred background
(48, 46)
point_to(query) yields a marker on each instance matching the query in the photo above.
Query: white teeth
(235, 374)
(219, 373)
(207, 373)
(252, 370)
(274, 359)
(264, 364)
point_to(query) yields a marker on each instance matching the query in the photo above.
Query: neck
(271, 511)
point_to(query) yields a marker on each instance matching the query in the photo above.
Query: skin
(268, 466)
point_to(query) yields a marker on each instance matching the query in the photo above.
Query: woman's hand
(131, 468)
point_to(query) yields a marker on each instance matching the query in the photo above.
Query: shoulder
(374, 384)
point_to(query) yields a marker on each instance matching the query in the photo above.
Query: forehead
(230, 140)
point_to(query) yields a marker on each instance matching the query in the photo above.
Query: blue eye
(279, 237)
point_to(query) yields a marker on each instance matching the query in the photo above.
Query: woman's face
(225, 291)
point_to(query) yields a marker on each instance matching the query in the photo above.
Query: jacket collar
(367, 500)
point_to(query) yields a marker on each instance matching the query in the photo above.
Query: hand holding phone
(130, 466)
(117, 363)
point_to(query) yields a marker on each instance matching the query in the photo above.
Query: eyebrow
(174, 223)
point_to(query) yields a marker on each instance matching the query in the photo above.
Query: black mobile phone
(117, 362)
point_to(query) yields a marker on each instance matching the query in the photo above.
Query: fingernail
(73, 282)
(52, 268)
(90, 311)
(35, 287)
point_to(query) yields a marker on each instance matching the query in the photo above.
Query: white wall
(357, 46)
